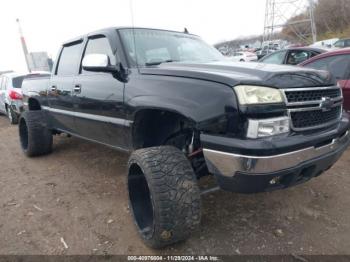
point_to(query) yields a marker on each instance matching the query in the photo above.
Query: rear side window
(17, 81)
(338, 65)
(69, 60)
(100, 45)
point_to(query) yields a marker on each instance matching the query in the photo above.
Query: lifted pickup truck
(183, 112)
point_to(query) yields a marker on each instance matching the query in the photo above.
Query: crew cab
(182, 111)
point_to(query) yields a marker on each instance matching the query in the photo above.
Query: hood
(231, 73)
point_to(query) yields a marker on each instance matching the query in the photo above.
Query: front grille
(314, 118)
(311, 95)
(307, 108)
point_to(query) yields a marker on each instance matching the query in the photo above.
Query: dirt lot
(78, 193)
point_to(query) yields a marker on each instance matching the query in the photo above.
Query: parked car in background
(291, 56)
(243, 57)
(338, 63)
(326, 43)
(342, 43)
(11, 94)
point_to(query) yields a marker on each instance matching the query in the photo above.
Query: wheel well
(154, 127)
(33, 104)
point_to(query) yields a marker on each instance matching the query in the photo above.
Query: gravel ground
(77, 197)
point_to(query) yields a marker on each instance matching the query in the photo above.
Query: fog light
(267, 127)
(275, 180)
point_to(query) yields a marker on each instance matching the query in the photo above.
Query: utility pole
(278, 13)
(312, 18)
(24, 45)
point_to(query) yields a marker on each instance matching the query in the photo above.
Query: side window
(1, 81)
(275, 58)
(69, 60)
(338, 65)
(339, 43)
(297, 56)
(312, 54)
(100, 45)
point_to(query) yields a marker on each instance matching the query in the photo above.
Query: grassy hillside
(334, 34)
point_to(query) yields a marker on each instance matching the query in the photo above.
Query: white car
(11, 93)
(244, 57)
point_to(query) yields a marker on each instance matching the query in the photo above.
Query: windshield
(157, 46)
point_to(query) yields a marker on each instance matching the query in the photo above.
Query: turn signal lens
(267, 127)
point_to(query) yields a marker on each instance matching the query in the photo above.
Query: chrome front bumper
(227, 164)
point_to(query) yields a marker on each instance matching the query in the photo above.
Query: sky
(48, 23)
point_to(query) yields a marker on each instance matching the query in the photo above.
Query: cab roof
(109, 29)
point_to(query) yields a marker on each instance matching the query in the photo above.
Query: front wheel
(164, 195)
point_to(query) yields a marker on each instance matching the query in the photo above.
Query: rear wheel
(13, 117)
(164, 195)
(35, 137)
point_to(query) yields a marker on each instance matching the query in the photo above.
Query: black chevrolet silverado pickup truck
(182, 111)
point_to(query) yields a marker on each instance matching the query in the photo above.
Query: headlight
(258, 95)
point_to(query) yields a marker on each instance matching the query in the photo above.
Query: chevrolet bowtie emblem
(326, 103)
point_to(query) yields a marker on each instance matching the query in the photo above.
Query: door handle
(53, 88)
(77, 88)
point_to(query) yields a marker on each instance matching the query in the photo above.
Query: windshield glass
(157, 46)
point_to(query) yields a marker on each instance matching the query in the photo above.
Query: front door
(99, 99)
(60, 92)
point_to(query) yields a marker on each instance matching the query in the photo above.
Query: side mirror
(101, 63)
(97, 63)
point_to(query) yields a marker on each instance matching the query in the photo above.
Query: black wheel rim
(141, 201)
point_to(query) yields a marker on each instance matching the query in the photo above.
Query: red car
(338, 63)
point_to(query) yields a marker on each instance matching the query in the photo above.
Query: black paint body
(105, 109)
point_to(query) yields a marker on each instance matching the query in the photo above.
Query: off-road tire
(35, 137)
(164, 196)
(12, 116)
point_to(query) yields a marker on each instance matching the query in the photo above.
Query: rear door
(99, 98)
(60, 92)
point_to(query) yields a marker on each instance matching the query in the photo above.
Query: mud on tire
(35, 137)
(164, 195)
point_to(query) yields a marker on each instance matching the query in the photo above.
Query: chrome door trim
(112, 120)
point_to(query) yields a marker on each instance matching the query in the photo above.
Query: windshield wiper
(160, 62)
